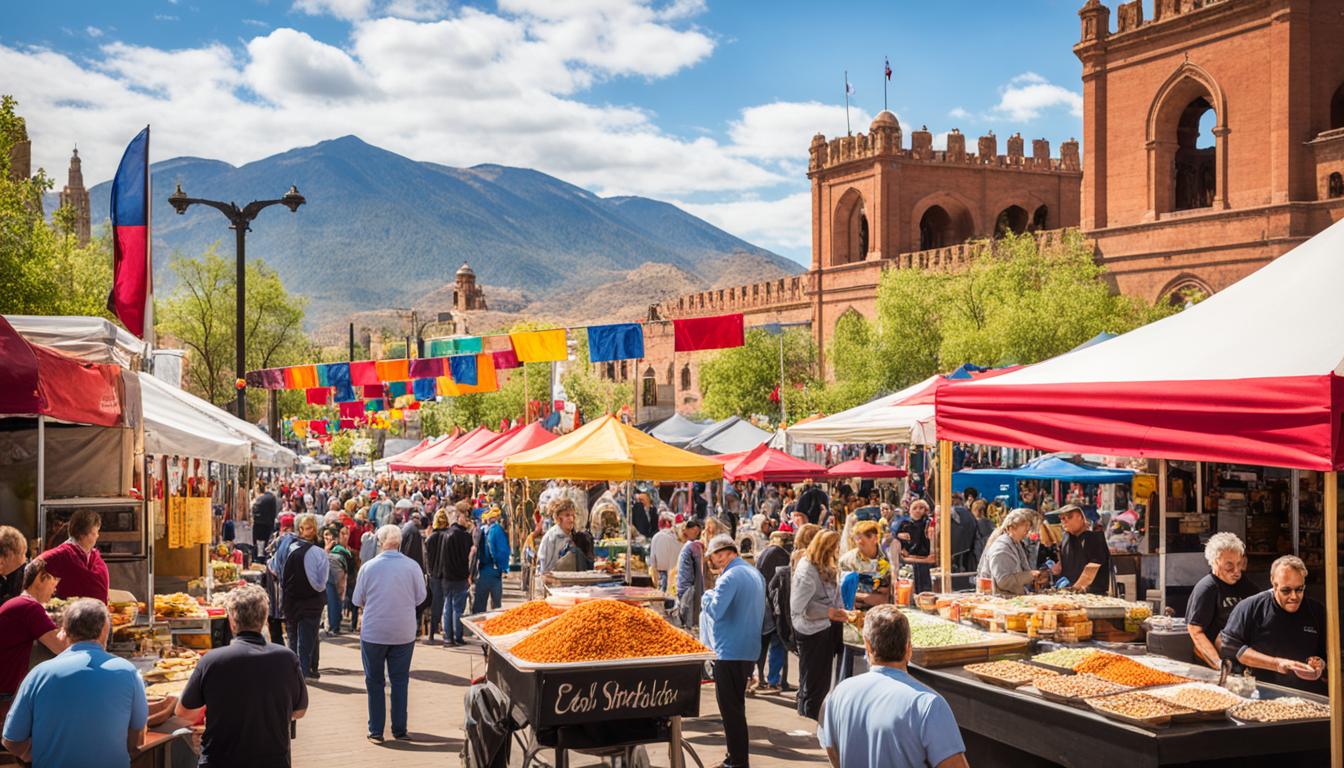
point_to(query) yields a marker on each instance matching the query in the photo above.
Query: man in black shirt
(1215, 595)
(264, 511)
(811, 502)
(252, 688)
(1081, 546)
(1280, 630)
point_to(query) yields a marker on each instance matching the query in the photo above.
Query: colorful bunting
(540, 346)
(395, 389)
(505, 359)
(375, 404)
(425, 389)
(622, 341)
(353, 410)
(318, 395)
(273, 378)
(717, 332)
(347, 423)
(393, 370)
(364, 373)
(374, 390)
(464, 369)
(426, 367)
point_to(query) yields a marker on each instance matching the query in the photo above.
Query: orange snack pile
(605, 629)
(520, 617)
(1126, 671)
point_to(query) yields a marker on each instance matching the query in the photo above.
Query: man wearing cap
(731, 618)
(491, 561)
(1082, 545)
(690, 573)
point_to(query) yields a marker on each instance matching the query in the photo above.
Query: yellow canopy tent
(607, 449)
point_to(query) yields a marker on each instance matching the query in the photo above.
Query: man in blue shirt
(85, 707)
(731, 617)
(492, 560)
(390, 588)
(884, 718)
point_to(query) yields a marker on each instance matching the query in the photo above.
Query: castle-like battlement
(1096, 17)
(884, 141)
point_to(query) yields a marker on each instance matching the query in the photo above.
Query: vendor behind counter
(1280, 633)
(77, 562)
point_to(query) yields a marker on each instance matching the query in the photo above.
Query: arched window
(1337, 109)
(942, 226)
(1011, 220)
(611, 371)
(650, 384)
(686, 376)
(669, 374)
(1334, 187)
(1195, 168)
(850, 242)
(1040, 219)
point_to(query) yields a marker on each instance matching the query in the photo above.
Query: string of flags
(367, 390)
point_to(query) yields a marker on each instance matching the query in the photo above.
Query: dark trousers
(397, 661)
(277, 628)
(772, 666)
(816, 661)
(730, 690)
(303, 639)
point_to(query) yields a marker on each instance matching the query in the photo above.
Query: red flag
(888, 67)
(717, 332)
(318, 395)
(774, 394)
(132, 277)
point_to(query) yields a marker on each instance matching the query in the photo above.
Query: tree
(341, 445)
(739, 381)
(200, 314)
(43, 269)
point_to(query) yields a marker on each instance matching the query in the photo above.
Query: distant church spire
(77, 197)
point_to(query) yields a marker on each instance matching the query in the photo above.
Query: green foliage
(341, 446)
(739, 381)
(200, 315)
(43, 270)
(490, 408)
(593, 395)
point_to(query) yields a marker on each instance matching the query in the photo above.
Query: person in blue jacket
(492, 561)
(731, 615)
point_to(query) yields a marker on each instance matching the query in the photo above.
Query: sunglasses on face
(1286, 591)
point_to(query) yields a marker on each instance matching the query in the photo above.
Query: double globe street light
(239, 221)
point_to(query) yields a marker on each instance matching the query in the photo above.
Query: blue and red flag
(131, 274)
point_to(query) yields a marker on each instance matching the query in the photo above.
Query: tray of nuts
(1208, 701)
(1138, 709)
(1072, 689)
(1279, 710)
(1009, 674)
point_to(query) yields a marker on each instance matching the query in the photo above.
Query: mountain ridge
(383, 230)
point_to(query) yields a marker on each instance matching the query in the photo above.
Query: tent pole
(1295, 518)
(629, 527)
(1161, 534)
(41, 482)
(945, 512)
(1335, 680)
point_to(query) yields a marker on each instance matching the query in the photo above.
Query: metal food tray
(1160, 721)
(999, 681)
(1295, 694)
(1199, 714)
(1076, 701)
(531, 666)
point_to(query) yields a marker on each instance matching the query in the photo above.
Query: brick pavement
(333, 731)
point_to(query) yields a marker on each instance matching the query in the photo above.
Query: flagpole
(149, 250)
(848, 130)
(886, 67)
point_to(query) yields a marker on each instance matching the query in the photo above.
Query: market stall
(1249, 376)
(1002, 483)
(601, 692)
(728, 436)
(439, 457)
(677, 430)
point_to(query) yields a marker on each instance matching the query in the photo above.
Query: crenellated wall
(883, 142)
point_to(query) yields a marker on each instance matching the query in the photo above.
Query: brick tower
(467, 295)
(1213, 137)
(77, 197)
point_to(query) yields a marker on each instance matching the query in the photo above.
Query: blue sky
(706, 103)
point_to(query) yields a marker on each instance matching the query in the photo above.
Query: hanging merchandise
(426, 367)
(464, 369)
(364, 373)
(540, 346)
(318, 395)
(393, 370)
(505, 359)
(425, 389)
(622, 341)
(717, 332)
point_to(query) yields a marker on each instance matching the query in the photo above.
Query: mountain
(382, 230)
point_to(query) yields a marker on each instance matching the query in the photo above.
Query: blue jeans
(778, 656)
(662, 580)
(333, 608)
(454, 603)
(489, 586)
(302, 635)
(397, 659)
(438, 590)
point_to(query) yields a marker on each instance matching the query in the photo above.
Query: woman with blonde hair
(1005, 560)
(801, 541)
(817, 612)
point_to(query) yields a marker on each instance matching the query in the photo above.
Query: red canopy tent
(860, 468)
(37, 381)
(442, 459)
(490, 460)
(769, 465)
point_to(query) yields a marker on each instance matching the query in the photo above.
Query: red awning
(768, 465)
(490, 460)
(440, 458)
(858, 468)
(37, 381)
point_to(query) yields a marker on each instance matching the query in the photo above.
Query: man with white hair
(389, 589)
(1280, 630)
(253, 689)
(1215, 595)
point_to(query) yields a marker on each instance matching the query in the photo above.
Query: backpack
(777, 598)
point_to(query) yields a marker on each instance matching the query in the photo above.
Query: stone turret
(1068, 155)
(956, 146)
(467, 296)
(77, 197)
(987, 149)
(921, 143)
(1015, 145)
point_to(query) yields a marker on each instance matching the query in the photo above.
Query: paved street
(335, 725)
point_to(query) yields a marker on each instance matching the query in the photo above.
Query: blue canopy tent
(1002, 483)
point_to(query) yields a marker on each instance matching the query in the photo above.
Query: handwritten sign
(619, 694)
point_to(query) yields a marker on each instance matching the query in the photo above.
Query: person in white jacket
(664, 549)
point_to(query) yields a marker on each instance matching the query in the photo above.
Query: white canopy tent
(265, 451)
(731, 435)
(177, 427)
(677, 430)
(888, 419)
(91, 339)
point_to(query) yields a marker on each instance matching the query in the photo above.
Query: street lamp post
(239, 221)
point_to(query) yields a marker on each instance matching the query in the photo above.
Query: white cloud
(783, 130)
(959, 113)
(475, 87)
(783, 224)
(341, 9)
(1027, 95)
(93, 32)
(420, 10)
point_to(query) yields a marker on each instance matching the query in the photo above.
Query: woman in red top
(77, 563)
(24, 621)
